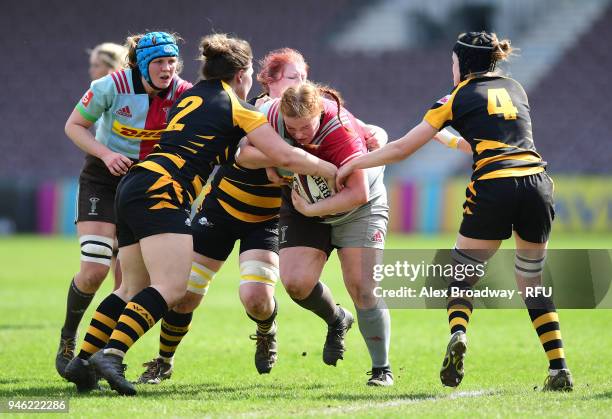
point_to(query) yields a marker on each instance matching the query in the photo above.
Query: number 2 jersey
(127, 120)
(204, 129)
(492, 114)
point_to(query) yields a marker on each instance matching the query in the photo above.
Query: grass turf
(214, 371)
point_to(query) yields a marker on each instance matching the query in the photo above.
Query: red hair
(273, 63)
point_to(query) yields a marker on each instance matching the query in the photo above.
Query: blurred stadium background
(389, 58)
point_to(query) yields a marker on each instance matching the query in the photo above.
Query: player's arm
(375, 136)
(77, 129)
(355, 193)
(448, 139)
(392, 152)
(281, 154)
(250, 157)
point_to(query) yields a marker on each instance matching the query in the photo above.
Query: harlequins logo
(94, 201)
(283, 234)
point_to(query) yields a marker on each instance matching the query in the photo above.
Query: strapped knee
(96, 249)
(473, 267)
(527, 267)
(199, 279)
(253, 271)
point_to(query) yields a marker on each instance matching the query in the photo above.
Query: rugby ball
(312, 188)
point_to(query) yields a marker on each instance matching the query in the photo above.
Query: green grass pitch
(214, 372)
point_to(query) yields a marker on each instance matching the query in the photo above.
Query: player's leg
(468, 255)
(305, 245)
(361, 242)
(105, 318)
(373, 317)
(259, 273)
(167, 258)
(213, 241)
(532, 229)
(95, 221)
(300, 270)
(258, 276)
(96, 240)
(177, 321)
(487, 220)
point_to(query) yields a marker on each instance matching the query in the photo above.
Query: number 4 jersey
(127, 120)
(492, 114)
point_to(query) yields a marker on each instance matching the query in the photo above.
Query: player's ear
(240, 75)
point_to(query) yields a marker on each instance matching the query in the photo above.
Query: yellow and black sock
(76, 304)
(459, 309)
(139, 315)
(174, 327)
(546, 323)
(102, 324)
(264, 326)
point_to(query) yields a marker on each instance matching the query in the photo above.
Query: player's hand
(117, 163)
(343, 173)
(372, 143)
(375, 138)
(300, 204)
(328, 171)
(275, 178)
(262, 100)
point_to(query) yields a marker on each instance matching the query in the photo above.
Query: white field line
(373, 406)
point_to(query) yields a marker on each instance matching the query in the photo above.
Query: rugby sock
(375, 327)
(76, 304)
(139, 315)
(546, 323)
(321, 302)
(459, 309)
(264, 326)
(174, 327)
(102, 324)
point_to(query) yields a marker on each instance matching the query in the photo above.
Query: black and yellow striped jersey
(244, 194)
(204, 128)
(492, 114)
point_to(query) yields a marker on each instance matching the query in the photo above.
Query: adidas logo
(377, 237)
(125, 111)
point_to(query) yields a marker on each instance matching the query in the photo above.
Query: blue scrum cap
(154, 45)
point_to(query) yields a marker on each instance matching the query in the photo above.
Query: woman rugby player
(509, 192)
(129, 108)
(307, 118)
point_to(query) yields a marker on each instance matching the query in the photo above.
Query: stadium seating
(48, 73)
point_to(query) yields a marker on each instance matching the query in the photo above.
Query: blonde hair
(502, 49)
(306, 100)
(111, 54)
